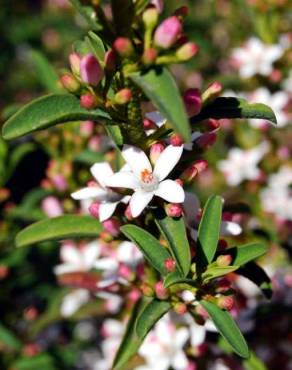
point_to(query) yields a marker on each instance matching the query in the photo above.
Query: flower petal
(230, 228)
(139, 200)
(170, 191)
(156, 117)
(167, 161)
(106, 210)
(122, 180)
(90, 253)
(101, 171)
(89, 193)
(136, 159)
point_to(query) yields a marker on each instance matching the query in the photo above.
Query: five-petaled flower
(147, 181)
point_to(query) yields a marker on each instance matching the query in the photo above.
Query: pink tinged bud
(74, 60)
(183, 11)
(95, 143)
(123, 47)
(88, 101)
(90, 70)
(60, 182)
(168, 32)
(70, 83)
(193, 101)
(128, 213)
(176, 140)
(161, 292)
(148, 124)
(212, 91)
(150, 17)
(206, 140)
(134, 295)
(170, 264)
(124, 271)
(94, 209)
(52, 207)
(224, 260)
(159, 5)
(223, 285)
(174, 210)
(187, 51)
(155, 151)
(180, 308)
(86, 128)
(110, 60)
(112, 226)
(147, 290)
(123, 96)
(226, 303)
(149, 56)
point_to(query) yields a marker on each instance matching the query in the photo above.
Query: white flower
(107, 198)
(287, 84)
(146, 181)
(77, 259)
(276, 101)
(256, 57)
(277, 197)
(163, 347)
(242, 164)
(73, 301)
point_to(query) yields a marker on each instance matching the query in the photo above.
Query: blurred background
(246, 46)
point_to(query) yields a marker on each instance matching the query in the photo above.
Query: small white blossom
(146, 181)
(73, 301)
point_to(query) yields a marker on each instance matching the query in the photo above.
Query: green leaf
(88, 13)
(227, 328)
(209, 230)
(153, 251)
(48, 111)
(96, 45)
(130, 342)
(59, 228)
(245, 253)
(89, 157)
(254, 363)
(235, 108)
(115, 134)
(150, 315)
(174, 231)
(217, 271)
(160, 87)
(8, 339)
(140, 5)
(43, 361)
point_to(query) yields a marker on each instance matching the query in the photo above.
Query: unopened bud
(128, 213)
(180, 308)
(51, 206)
(174, 210)
(223, 285)
(224, 260)
(147, 290)
(206, 140)
(170, 264)
(155, 151)
(213, 124)
(94, 209)
(150, 17)
(159, 5)
(88, 101)
(193, 101)
(86, 128)
(183, 11)
(212, 92)
(74, 60)
(125, 272)
(149, 56)
(90, 70)
(124, 47)
(70, 83)
(161, 292)
(226, 303)
(168, 32)
(110, 60)
(112, 226)
(176, 140)
(148, 124)
(123, 96)
(187, 51)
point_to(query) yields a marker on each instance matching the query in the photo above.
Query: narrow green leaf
(172, 279)
(48, 111)
(254, 363)
(96, 45)
(235, 108)
(131, 341)
(245, 253)
(115, 134)
(89, 157)
(174, 231)
(209, 229)
(8, 339)
(150, 315)
(153, 251)
(88, 13)
(217, 271)
(227, 328)
(161, 89)
(59, 228)
(140, 5)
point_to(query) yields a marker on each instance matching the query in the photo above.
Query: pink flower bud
(59, 182)
(176, 140)
(155, 151)
(123, 96)
(183, 11)
(110, 60)
(189, 174)
(86, 128)
(150, 17)
(212, 91)
(158, 5)
(134, 295)
(112, 225)
(4, 271)
(224, 260)
(128, 213)
(206, 140)
(52, 207)
(187, 51)
(225, 303)
(147, 290)
(180, 308)
(170, 264)
(94, 209)
(74, 60)
(149, 56)
(161, 292)
(70, 83)
(148, 124)
(223, 285)
(213, 124)
(125, 271)
(88, 101)
(193, 101)
(168, 32)
(174, 210)
(124, 47)
(90, 70)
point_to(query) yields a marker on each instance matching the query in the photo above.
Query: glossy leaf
(150, 315)
(48, 111)
(217, 271)
(161, 89)
(245, 253)
(88, 13)
(153, 251)
(254, 363)
(235, 108)
(227, 328)
(174, 231)
(8, 339)
(96, 45)
(59, 228)
(209, 229)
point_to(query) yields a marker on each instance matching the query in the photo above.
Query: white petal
(122, 180)
(156, 117)
(73, 301)
(139, 200)
(128, 253)
(179, 361)
(90, 253)
(170, 191)
(198, 334)
(167, 161)
(66, 269)
(136, 159)
(89, 193)
(230, 228)
(70, 254)
(101, 171)
(109, 265)
(106, 210)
